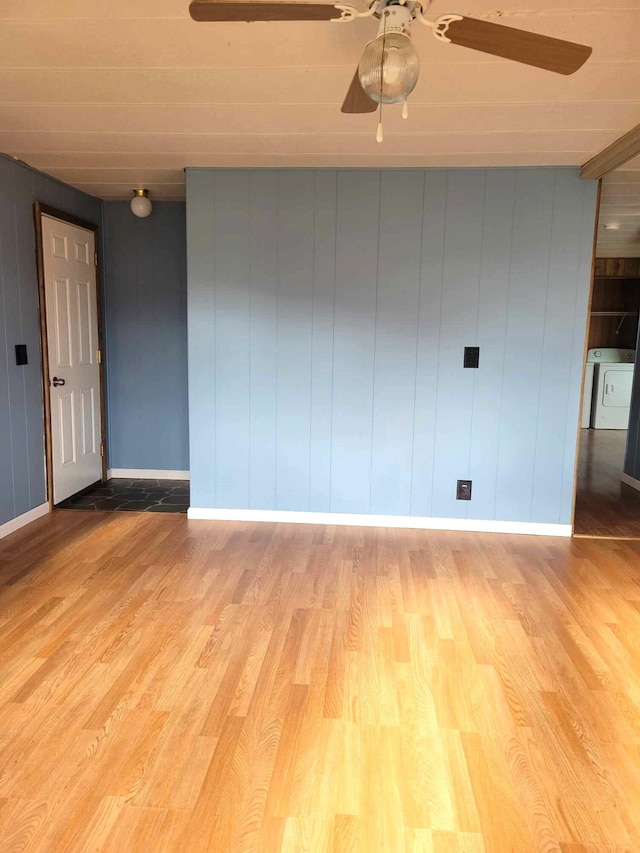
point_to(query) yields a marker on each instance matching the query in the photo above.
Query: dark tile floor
(134, 496)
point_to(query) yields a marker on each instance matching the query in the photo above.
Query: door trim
(40, 210)
(585, 351)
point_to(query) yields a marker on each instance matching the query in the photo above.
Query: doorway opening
(73, 378)
(607, 503)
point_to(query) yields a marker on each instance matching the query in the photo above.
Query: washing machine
(612, 382)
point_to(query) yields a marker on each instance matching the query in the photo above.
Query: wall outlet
(471, 357)
(463, 490)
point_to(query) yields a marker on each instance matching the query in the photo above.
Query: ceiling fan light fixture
(389, 68)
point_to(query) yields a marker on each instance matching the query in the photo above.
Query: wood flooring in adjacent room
(604, 505)
(174, 685)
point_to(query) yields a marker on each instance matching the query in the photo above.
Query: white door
(74, 371)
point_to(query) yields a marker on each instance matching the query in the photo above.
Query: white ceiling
(112, 95)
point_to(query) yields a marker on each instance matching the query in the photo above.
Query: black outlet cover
(21, 354)
(471, 356)
(463, 490)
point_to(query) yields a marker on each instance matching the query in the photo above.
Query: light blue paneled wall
(22, 465)
(145, 295)
(328, 312)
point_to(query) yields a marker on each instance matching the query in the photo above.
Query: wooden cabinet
(615, 303)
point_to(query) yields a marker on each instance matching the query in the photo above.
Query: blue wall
(327, 315)
(146, 336)
(632, 453)
(22, 477)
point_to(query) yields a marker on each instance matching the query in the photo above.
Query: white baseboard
(146, 474)
(630, 481)
(400, 521)
(26, 518)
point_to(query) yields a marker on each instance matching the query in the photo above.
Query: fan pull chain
(405, 109)
(379, 131)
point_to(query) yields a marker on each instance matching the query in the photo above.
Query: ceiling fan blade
(275, 10)
(357, 100)
(562, 57)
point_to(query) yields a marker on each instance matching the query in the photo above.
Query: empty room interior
(319, 426)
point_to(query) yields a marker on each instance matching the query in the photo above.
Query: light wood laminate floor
(604, 505)
(169, 685)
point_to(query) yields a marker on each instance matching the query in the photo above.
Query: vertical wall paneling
(14, 394)
(458, 328)
(7, 489)
(7, 505)
(201, 268)
(526, 312)
(294, 338)
(22, 470)
(231, 230)
(263, 253)
(147, 376)
(357, 237)
(324, 282)
(11, 296)
(30, 326)
(552, 428)
(345, 355)
(399, 249)
(65, 198)
(495, 267)
(123, 337)
(428, 356)
(169, 330)
(145, 295)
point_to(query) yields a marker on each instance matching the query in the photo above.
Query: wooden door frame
(39, 210)
(574, 494)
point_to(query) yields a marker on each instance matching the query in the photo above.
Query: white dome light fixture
(140, 203)
(389, 66)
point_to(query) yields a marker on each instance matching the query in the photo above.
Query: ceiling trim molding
(615, 155)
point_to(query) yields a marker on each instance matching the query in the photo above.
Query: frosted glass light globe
(400, 68)
(140, 204)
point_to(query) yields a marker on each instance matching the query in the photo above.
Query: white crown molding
(22, 520)
(146, 474)
(399, 521)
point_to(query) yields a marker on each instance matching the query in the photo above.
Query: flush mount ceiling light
(140, 204)
(611, 226)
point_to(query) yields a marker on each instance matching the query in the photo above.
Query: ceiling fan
(389, 66)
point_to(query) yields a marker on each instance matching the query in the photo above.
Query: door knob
(55, 382)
